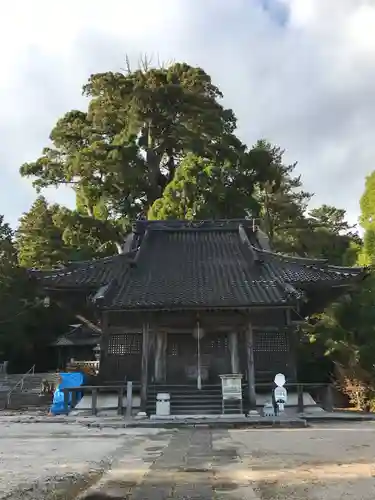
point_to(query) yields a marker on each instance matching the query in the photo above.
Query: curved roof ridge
(81, 263)
(77, 270)
(299, 260)
(344, 269)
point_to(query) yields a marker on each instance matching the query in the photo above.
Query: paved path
(190, 467)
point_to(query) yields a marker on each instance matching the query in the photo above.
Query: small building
(78, 344)
(189, 301)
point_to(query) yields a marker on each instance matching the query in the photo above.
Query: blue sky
(298, 72)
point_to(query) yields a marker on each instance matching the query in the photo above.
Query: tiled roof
(205, 264)
(77, 336)
(91, 274)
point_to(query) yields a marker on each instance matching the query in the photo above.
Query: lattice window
(172, 348)
(271, 342)
(125, 344)
(219, 343)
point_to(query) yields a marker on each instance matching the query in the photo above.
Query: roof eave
(342, 282)
(278, 305)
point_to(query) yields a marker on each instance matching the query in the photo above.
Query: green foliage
(278, 192)
(202, 189)
(329, 236)
(126, 148)
(38, 240)
(367, 220)
(26, 326)
(367, 203)
(49, 235)
(347, 327)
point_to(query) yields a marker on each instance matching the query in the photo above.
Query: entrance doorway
(182, 358)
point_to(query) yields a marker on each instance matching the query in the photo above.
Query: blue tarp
(74, 379)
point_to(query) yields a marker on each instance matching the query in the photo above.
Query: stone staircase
(25, 395)
(188, 400)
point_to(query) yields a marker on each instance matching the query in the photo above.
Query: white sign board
(231, 386)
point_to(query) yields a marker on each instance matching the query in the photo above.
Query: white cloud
(306, 84)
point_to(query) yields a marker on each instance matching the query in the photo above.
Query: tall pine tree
(39, 241)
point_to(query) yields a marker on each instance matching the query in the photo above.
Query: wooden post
(250, 366)
(329, 398)
(301, 405)
(293, 353)
(160, 357)
(74, 399)
(94, 401)
(233, 347)
(129, 399)
(104, 342)
(144, 368)
(120, 400)
(66, 402)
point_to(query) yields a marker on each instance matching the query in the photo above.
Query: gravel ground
(324, 462)
(59, 461)
(44, 460)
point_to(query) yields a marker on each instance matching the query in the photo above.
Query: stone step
(183, 390)
(189, 400)
(31, 382)
(24, 400)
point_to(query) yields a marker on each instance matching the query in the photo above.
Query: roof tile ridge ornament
(245, 240)
(102, 293)
(290, 290)
(134, 260)
(262, 237)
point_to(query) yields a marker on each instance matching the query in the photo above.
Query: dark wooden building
(79, 343)
(188, 301)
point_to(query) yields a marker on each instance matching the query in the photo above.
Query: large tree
(327, 235)
(279, 193)
(125, 149)
(26, 326)
(49, 235)
(367, 220)
(38, 240)
(14, 295)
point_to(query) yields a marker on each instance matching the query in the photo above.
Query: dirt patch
(325, 463)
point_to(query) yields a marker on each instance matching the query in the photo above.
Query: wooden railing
(94, 390)
(320, 392)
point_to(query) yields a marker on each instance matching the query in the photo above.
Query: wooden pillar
(250, 366)
(104, 342)
(233, 347)
(293, 341)
(129, 399)
(144, 365)
(120, 398)
(151, 355)
(94, 401)
(160, 357)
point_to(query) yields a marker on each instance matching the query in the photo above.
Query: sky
(299, 73)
